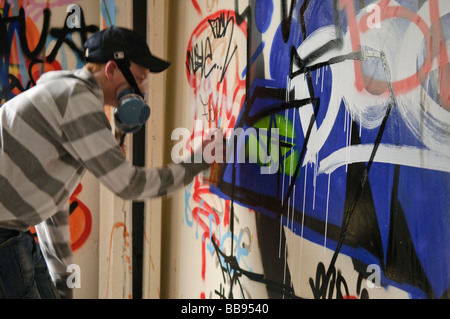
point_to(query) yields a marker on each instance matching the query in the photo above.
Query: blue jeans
(23, 271)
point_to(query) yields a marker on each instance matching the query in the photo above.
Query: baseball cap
(116, 43)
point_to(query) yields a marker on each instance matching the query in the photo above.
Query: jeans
(23, 270)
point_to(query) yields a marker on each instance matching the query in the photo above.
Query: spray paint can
(212, 174)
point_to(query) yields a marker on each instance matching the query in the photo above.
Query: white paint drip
(326, 216)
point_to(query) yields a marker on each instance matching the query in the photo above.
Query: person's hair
(94, 67)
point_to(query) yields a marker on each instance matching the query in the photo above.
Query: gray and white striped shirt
(49, 136)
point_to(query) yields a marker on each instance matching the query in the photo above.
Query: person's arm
(89, 139)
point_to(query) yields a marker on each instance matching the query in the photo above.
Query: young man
(50, 135)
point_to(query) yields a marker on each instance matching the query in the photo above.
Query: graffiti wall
(337, 182)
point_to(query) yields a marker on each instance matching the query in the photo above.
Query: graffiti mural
(214, 65)
(358, 92)
(29, 50)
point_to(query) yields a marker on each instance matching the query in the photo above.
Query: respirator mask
(132, 111)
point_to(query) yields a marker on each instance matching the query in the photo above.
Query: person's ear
(110, 69)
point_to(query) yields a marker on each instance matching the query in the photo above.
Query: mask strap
(124, 66)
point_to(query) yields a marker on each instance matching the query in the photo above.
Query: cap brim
(154, 64)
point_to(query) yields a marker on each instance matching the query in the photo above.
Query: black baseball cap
(116, 43)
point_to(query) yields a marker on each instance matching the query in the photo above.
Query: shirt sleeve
(87, 136)
(55, 243)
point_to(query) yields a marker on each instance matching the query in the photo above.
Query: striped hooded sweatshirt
(49, 136)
